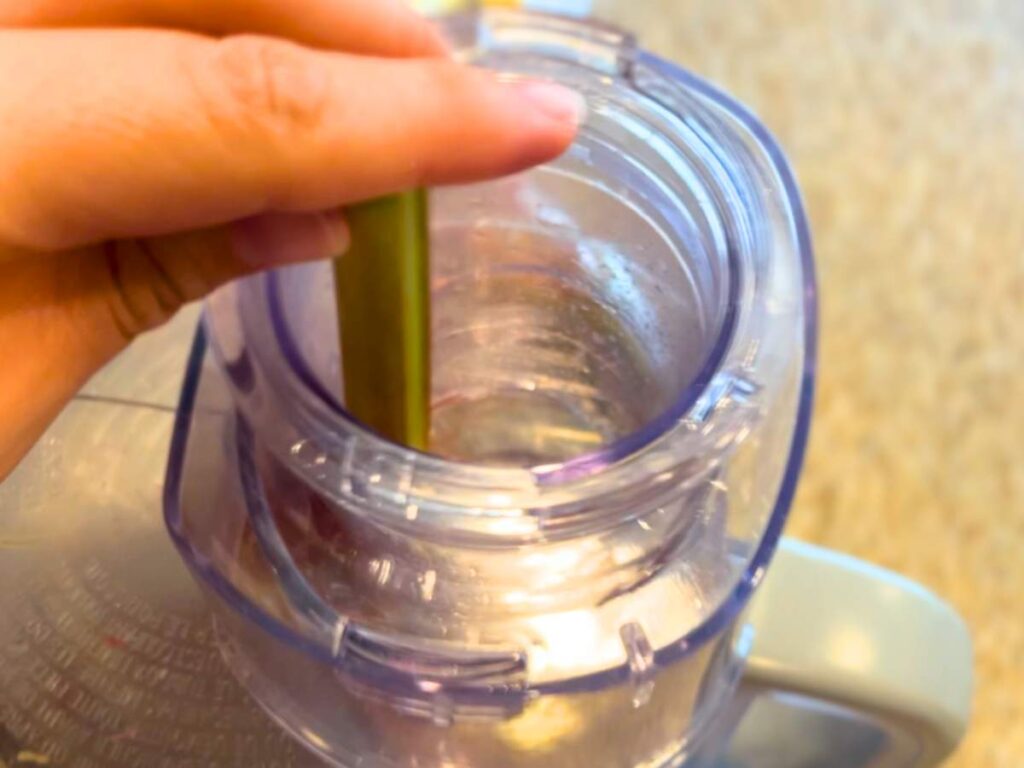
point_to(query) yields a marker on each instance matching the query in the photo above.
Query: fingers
(381, 27)
(133, 133)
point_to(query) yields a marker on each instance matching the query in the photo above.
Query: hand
(151, 150)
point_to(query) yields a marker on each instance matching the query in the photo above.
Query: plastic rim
(724, 614)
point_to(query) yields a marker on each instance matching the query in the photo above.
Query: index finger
(124, 133)
(379, 27)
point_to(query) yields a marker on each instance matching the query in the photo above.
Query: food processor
(585, 567)
(623, 344)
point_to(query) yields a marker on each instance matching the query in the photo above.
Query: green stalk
(383, 294)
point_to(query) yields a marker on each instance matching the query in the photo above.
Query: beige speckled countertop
(905, 124)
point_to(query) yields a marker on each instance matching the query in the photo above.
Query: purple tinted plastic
(728, 610)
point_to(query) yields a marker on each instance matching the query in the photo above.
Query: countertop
(905, 125)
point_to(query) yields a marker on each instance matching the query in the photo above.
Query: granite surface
(905, 124)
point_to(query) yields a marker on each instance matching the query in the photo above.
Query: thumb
(62, 316)
(150, 279)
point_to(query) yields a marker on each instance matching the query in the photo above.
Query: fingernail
(554, 100)
(288, 238)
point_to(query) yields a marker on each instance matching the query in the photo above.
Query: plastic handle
(840, 632)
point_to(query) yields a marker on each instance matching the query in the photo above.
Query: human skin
(151, 150)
